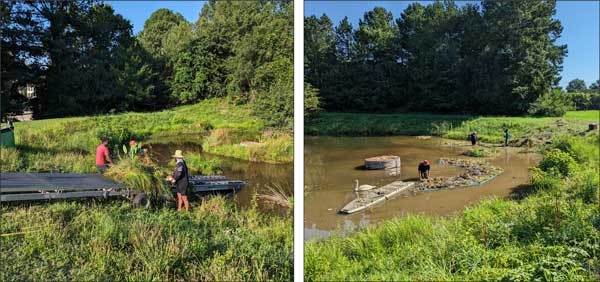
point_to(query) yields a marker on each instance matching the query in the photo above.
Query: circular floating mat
(382, 162)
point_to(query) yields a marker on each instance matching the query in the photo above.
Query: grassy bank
(110, 241)
(69, 143)
(550, 231)
(489, 129)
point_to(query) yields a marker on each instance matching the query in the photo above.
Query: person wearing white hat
(180, 179)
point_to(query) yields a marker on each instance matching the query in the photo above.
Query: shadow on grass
(43, 150)
(521, 192)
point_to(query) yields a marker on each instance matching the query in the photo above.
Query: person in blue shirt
(506, 137)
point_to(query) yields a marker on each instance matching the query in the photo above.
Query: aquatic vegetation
(147, 178)
(478, 153)
(276, 195)
(476, 173)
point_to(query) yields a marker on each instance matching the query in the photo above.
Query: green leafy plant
(557, 161)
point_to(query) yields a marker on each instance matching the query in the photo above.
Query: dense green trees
(493, 58)
(84, 59)
(241, 49)
(576, 85)
(80, 55)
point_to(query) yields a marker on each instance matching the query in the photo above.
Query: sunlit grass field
(111, 241)
(489, 129)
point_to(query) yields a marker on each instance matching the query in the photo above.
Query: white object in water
(364, 187)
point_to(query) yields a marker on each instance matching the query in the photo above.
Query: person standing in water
(473, 138)
(424, 168)
(506, 137)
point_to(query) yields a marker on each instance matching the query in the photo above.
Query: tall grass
(489, 129)
(355, 124)
(144, 177)
(270, 149)
(198, 164)
(211, 119)
(83, 241)
(552, 234)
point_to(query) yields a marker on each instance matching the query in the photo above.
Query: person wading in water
(424, 168)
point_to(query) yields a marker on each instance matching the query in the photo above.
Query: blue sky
(137, 12)
(579, 20)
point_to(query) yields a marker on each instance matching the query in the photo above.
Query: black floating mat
(17, 182)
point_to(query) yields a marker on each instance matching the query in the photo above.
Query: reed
(216, 120)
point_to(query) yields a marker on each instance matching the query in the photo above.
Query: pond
(258, 176)
(333, 163)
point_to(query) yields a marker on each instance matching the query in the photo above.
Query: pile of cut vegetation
(476, 173)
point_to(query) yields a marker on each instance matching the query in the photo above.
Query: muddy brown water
(258, 176)
(333, 163)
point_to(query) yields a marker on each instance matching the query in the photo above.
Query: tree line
(495, 57)
(84, 59)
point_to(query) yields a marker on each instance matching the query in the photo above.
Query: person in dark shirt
(424, 168)
(180, 179)
(506, 137)
(473, 138)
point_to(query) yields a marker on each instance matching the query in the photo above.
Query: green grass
(277, 149)
(69, 143)
(356, 124)
(489, 129)
(591, 116)
(550, 233)
(110, 241)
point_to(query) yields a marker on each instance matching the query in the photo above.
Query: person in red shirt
(103, 156)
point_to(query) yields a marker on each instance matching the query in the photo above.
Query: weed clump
(147, 178)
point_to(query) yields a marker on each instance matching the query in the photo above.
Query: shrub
(557, 161)
(576, 147)
(311, 100)
(552, 104)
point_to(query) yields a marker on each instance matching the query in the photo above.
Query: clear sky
(137, 12)
(580, 21)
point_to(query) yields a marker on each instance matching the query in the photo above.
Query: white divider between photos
(298, 141)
